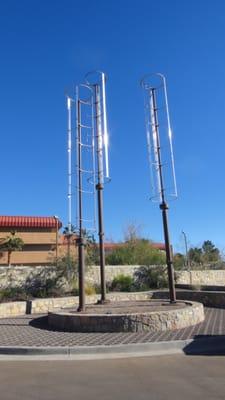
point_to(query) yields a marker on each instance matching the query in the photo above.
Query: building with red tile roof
(40, 236)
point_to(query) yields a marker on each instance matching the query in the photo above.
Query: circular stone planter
(129, 316)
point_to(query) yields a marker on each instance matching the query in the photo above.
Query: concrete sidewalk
(30, 335)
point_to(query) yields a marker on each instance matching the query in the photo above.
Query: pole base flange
(101, 301)
(81, 309)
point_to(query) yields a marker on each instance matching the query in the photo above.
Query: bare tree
(132, 232)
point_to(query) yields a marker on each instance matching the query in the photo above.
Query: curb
(200, 346)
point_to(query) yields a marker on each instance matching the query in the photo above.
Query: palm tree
(66, 230)
(10, 244)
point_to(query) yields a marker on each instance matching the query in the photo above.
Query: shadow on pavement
(206, 345)
(40, 323)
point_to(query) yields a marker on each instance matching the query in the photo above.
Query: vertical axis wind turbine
(69, 150)
(89, 107)
(82, 108)
(69, 153)
(160, 155)
(97, 80)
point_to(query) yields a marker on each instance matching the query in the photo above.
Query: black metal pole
(99, 188)
(81, 274)
(164, 208)
(169, 257)
(68, 237)
(188, 265)
(81, 243)
(186, 249)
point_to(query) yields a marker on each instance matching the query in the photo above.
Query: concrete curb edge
(200, 346)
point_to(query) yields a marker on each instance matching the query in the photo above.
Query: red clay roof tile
(29, 222)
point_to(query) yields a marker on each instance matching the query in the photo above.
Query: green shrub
(98, 288)
(67, 266)
(148, 277)
(45, 288)
(90, 290)
(61, 280)
(118, 256)
(136, 252)
(179, 262)
(122, 283)
(13, 294)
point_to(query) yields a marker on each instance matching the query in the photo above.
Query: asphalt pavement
(157, 378)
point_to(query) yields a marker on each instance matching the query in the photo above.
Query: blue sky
(48, 46)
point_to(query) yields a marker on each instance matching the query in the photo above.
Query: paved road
(155, 378)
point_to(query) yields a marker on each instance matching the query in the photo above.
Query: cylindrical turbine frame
(153, 122)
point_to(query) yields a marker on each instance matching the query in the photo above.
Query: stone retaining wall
(18, 276)
(39, 306)
(205, 277)
(42, 306)
(111, 271)
(14, 308)
(190, 314)
(45, 305)
(207, 298)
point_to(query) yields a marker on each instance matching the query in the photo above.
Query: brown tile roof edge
(29, 222)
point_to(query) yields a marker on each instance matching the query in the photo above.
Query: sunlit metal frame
(97, 80)
(152, 140)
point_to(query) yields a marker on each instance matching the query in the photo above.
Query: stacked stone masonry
(38, 306)
(191, 314)
(16, 276)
